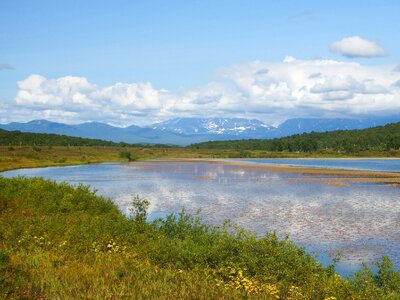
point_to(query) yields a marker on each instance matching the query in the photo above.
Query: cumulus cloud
(269, 91)
(77, 95)
(6, 67)
(356, 46)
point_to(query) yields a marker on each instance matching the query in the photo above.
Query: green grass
(12, 157)
(63, 242)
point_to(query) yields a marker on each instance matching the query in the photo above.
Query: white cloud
(77, 94)
(37, 90)
(356, 46)
(134, 95)
(269, 91)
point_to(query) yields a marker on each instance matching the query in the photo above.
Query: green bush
(138, 210)
(127, 155)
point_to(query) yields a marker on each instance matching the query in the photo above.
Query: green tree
(138, 210)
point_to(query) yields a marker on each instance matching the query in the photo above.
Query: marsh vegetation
(58, 241)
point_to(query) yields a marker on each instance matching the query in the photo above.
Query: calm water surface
(367, 164)
(362, 220)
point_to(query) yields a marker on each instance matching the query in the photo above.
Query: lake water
(360, 220)
(386, 165)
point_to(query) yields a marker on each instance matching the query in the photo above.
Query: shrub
(127, 155)
(138, 211)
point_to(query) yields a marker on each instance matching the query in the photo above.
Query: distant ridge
(185, 131)
(18, 138)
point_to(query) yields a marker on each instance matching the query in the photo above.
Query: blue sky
(180, 46)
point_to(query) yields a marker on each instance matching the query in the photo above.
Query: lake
(366, 164)
(361, 220)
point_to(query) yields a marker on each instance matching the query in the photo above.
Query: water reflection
(361, 220)
(367, 164)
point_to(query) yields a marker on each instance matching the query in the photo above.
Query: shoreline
(231, 161)
(337, 177)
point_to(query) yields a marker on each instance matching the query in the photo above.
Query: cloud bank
(269, 91)
(356, 46)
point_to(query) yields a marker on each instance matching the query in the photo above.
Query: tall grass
(64, 242)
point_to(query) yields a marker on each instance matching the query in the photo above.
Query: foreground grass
(12, 157)
(63, 242)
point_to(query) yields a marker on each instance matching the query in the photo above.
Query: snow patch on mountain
(212, 126)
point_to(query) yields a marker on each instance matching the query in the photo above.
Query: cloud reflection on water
(361, 220)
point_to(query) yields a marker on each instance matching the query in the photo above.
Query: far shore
(18, 157)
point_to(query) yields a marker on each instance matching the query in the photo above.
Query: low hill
(380, 138)
(18, 138)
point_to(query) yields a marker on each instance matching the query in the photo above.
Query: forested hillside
(18, 138)
(381, 138)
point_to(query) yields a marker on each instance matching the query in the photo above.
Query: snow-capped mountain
(185, 131)
(214, 126)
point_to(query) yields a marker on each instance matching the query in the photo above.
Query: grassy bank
(61, 242)
(12, 157)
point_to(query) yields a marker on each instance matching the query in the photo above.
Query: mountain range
(185, 131)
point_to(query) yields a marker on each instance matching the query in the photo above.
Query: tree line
(381, 138)
(18, 138)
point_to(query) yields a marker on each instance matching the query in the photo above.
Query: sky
(140, 62)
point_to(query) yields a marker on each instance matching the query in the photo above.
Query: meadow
(12, 157)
